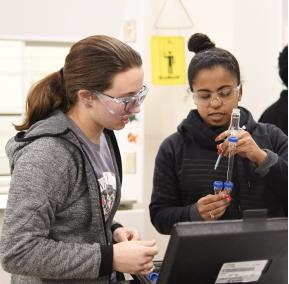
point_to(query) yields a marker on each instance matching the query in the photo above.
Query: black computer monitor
(198, 251)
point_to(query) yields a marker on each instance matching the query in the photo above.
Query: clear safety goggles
(204, 98)
(123, 106)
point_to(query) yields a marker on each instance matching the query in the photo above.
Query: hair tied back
(199, 42)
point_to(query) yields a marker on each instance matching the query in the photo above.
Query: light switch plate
(129, 31)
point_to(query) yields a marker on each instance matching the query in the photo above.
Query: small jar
(228, 187)
(153, 277)
(218, 186)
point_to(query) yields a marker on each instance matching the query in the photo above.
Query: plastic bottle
(218, 186)
(232, 150)
(228, 187)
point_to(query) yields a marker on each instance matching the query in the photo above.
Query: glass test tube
(235, 121)
(233, 128)
(232, 149)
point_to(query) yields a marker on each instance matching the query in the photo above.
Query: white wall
(65, 20)
(258, 39)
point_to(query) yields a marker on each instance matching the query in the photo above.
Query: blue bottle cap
(218, 184)
(153, 276)
(228, 185)
(233, 139)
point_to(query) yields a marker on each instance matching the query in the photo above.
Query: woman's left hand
(246, 146)
(123, 234)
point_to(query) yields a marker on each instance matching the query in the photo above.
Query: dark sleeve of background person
(277, 113)
(277, 176)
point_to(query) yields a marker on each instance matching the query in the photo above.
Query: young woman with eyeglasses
(184, 167)
(66, 172)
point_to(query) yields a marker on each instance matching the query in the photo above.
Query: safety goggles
(125, 105)
(226, 94)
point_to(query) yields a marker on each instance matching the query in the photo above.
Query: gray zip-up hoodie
(54, 229)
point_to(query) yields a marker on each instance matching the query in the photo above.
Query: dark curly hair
(208, 56)
(283, 65)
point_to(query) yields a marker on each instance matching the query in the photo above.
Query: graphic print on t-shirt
(107, 186)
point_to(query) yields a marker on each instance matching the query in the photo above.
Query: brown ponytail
(90, 65)
(43, 98)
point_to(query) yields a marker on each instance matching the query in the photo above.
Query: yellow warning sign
(168, 60)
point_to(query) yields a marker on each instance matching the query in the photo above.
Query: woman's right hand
(134, 257)
(213, 207)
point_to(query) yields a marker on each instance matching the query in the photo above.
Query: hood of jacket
(56, 125)
(193, 127)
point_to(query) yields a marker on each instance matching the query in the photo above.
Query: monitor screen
(232, 251)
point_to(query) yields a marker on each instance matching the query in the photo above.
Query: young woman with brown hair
(66, 171)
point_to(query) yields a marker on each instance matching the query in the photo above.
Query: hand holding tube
(246, 147)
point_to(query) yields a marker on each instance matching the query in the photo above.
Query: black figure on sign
(171, 61)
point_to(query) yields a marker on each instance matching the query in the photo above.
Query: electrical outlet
(129, 163)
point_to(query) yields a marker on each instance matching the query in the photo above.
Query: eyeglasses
(125, 105)
(226, 94)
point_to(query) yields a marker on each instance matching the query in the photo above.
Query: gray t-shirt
(100, 157)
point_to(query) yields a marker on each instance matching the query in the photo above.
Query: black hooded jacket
(277, 113)
(184, 172)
